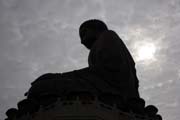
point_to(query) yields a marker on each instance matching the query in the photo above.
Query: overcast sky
(40, 36)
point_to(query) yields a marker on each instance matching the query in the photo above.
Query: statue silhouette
(111, 67)
(110, 77)
(109, 57)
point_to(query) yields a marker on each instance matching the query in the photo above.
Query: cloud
(42, 36)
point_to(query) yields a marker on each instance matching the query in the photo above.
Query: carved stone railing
(81, 108)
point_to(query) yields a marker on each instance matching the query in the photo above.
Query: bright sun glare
(145, 52)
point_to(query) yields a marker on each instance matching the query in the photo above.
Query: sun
(146, 52)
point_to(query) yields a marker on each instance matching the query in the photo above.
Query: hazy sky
(40, 36)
